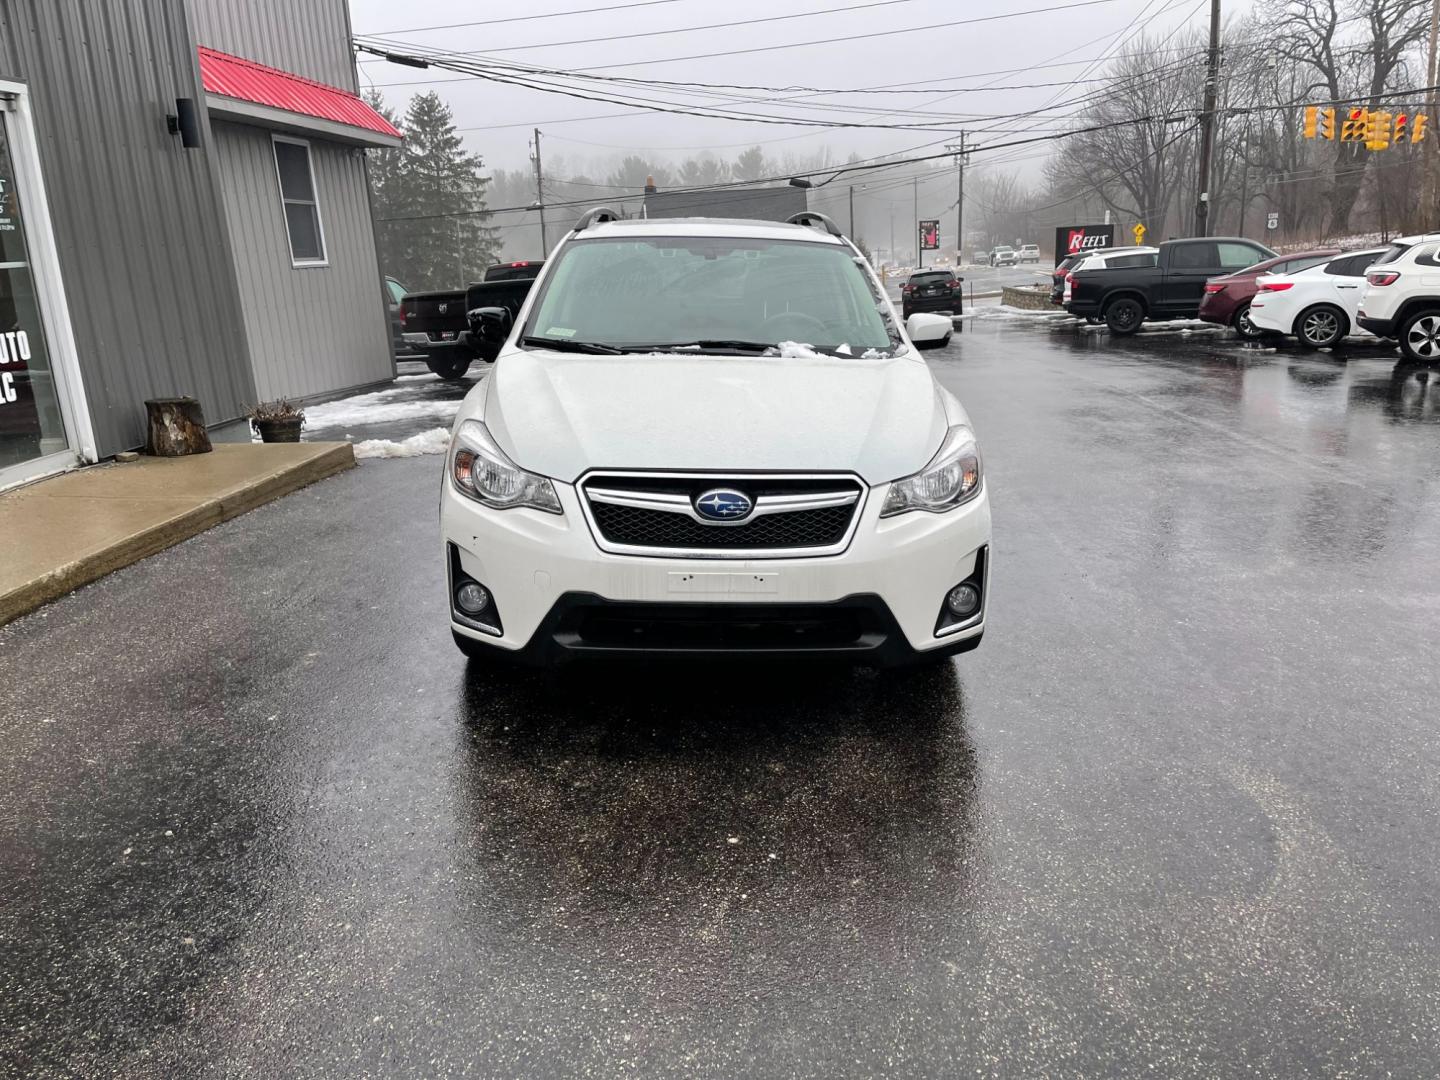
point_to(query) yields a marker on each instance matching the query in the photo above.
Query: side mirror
(929, 331)
(490, 324)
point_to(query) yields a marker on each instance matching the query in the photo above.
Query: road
(1176, 817)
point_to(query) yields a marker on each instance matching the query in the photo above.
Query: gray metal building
(135, 266)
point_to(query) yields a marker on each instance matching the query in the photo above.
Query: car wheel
(448, 365)
(1420, 337)
(1321, 326)
(1124, 316)
(1244, 327)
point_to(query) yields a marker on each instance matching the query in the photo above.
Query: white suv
(1401, 298)
(712, 437)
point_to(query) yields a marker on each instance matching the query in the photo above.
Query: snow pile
(434, 441)
(380, 407)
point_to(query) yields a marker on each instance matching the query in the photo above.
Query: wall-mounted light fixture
(185, 122)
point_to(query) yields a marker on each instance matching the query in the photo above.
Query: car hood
(563, 414)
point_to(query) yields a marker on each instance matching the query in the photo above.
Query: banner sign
(929, 236)
(1073, 239)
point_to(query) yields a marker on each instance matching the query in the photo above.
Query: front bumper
(545, 572)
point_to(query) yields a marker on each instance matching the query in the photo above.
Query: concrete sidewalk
(61, 533)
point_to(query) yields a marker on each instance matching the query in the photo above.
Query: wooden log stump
(176, 427)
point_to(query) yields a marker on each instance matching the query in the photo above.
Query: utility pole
(852, 211)
(1430, 188)
(915, 229)
(1207, 124)
(959, 149)
(540, 197)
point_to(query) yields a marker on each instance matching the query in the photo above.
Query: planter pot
(279, 430)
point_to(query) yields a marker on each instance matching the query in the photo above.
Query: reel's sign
(1076, 239)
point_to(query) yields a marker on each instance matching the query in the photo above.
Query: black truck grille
(672, 531)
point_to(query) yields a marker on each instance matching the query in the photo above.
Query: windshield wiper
(567, 345)
(734, 345)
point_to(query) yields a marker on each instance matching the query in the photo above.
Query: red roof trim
(245, 80)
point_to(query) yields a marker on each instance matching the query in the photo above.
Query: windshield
(717, 294)
(927, 278)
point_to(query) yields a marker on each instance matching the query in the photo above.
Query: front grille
(639, 527)
(670, 527)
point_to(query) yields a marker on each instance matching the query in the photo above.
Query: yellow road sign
(1139, 231)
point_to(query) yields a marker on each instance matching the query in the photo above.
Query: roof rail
(596, 216)
(813, 218)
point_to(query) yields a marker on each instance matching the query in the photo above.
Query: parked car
(1170, 287)
(932, 290)
(1401, 297)
(1318, 306)
(1002, 256)
(1227, 299)
(1057, 276)
(394, 296)
(437, 323)
(1028, 253)
(1107, 259)
(682, 498)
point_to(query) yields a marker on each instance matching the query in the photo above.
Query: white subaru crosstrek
(712, 437)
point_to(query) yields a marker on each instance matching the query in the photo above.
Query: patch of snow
(795, 350)
(434, 441)
(377, 408)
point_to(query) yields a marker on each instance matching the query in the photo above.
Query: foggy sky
(496, 119)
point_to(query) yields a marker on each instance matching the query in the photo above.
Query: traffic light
(1401, 121)
(1312, 118)
(1353, 128)
(1327, 124)
(1377, 131)
(1418, 125)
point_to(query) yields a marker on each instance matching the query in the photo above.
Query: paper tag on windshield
(559, 331)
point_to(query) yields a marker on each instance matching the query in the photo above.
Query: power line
(1071, 5)
(528, 18)
(692, 29)
(836, 172)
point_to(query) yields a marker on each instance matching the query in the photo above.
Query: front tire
(1321, 326)
(1420, 337)
(1124, 316)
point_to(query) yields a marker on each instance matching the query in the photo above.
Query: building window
(297, 196)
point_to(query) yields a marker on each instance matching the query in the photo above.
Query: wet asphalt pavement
(1176, 817)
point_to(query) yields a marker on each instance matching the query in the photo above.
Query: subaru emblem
(442, 308)
(723, 504)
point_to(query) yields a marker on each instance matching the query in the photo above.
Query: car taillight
(402, 315)
(1069, 278)
(1210, 287)
(907, 288)
(1276, 286)
(1382, 277)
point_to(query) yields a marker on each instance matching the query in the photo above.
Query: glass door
(32, 422)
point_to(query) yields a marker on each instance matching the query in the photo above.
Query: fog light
(963, 600)
(472, 598)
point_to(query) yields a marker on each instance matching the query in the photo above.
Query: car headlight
(951, 478)
(480, 469)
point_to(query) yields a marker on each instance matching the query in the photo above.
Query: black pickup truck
(1170, 288)
(436, 324)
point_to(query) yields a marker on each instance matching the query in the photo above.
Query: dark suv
(931, 290)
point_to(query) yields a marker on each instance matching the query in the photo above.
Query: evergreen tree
(386, 200)
(630, 177)
(751, 165)
(439, 234)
